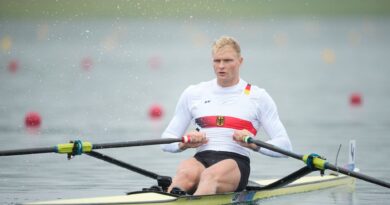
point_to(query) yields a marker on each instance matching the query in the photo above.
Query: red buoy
(86, 63)
(155, 62)
(13, 66)
(32, 120)
(155, 111)
(355, 99)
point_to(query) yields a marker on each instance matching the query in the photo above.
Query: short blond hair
(226, 41)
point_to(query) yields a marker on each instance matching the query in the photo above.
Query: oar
(79, 147)
(318, 162)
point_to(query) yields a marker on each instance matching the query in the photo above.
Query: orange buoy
(6, 44)
(32, 120)
(155, 112)
(355, 99)
(328, 56)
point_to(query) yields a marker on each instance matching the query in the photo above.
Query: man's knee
(222, 182)
(187, 179)
(209, 176)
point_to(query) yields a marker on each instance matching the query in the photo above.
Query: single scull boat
(295, 182)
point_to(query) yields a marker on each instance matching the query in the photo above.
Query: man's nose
(221, 64)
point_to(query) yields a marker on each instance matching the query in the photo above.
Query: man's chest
(237, 105)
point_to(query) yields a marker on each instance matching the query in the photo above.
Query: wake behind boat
(295, 182)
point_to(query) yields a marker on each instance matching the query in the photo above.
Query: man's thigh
(227, 174)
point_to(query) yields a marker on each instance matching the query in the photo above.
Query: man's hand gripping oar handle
(317, 162)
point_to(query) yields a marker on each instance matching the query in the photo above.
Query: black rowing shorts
(208, 158)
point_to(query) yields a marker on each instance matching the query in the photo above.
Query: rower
(226, 110)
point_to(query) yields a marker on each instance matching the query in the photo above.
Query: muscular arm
(272, 125)
(178, 125)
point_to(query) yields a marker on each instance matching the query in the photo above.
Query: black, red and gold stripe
(225, 121)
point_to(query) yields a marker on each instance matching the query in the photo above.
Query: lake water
(310, 66)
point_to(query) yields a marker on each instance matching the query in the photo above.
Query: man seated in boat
(225, 110)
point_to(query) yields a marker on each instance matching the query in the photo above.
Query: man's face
(226, 63)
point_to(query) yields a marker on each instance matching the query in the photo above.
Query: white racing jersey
(218, 111)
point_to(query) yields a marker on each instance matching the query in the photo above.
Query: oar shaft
(275, 148)
(86, 147)
(136, 143)
(327, 165)
(28, 151)
(357, 175)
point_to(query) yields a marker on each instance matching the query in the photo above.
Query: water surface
(309, 66)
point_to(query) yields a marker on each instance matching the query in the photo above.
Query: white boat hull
(304, 184)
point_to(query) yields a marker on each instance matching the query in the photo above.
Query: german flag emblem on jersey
(220, 121)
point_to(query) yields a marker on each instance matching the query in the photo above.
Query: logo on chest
(220, 121)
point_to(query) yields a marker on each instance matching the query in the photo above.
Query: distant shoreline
(171, 9)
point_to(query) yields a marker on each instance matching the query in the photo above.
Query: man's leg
(187, 175)
(223, 176)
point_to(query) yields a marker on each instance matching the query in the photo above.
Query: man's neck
(228, 84)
